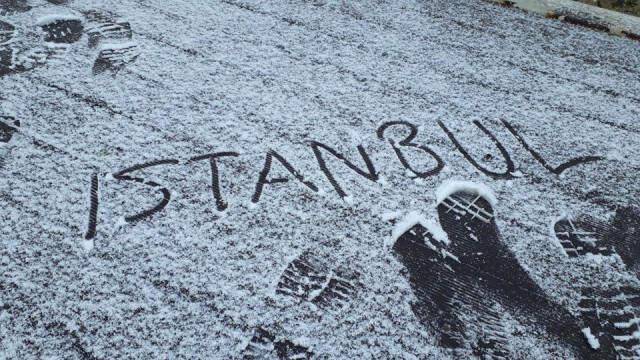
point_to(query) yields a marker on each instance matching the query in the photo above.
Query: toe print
(265, 345)
(61, 29)
(580, 237)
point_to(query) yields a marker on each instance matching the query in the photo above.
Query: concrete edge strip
(577, 13)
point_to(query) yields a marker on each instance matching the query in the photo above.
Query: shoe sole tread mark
(309, 279)
(66, 31)
(577, 241)
(618, 324)
(109, 31)
(114, 60)
(430, 250)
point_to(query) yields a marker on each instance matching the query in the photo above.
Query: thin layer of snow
(236, 75)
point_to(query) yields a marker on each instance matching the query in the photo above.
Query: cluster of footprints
(306, 279)
(111, 38)
(465, 287)
(612, 314)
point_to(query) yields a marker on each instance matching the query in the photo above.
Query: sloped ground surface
(144, 146)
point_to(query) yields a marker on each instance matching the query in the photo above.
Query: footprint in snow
(308, 278)
(612, 318)
(474, 275)
(13, 6)
(106, 27)
(58, 33)
(20, 53)
(61, 29)
(7, 32)
(114, 39)
(611, 314)
(585, 235)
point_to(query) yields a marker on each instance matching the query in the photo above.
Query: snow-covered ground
(114, 109)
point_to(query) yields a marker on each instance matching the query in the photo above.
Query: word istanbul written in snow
(321, 152)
